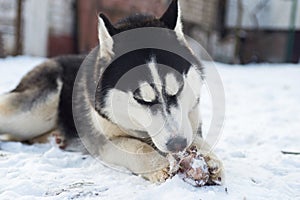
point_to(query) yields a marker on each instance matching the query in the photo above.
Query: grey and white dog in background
(136, 124)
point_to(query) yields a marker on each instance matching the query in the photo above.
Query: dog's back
(32, 108)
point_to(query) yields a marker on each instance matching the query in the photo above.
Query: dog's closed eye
(144, 101)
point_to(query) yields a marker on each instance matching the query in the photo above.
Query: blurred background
(232, 31)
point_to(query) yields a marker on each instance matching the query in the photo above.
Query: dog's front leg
(215, 165)
(138, 157)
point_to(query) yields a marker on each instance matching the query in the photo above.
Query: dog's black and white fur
(42, 101)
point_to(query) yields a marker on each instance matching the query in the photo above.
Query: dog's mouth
(145, 137)
(138, 134)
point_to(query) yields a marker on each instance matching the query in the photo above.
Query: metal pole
(2, 53)
(239, 24)
(18, 41)
(291, 36)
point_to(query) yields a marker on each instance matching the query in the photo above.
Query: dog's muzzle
(176, 144)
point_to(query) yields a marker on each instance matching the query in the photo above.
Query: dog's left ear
(172, 18)
(105, 32)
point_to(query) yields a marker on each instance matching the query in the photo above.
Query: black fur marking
(139, 99)
(127, 62)
(199, 131)
(171, 100)
(43, 77)
(37, 85)
(168, 20)
(138, 21)
(171, 15)
(70, 66)
(111, 29)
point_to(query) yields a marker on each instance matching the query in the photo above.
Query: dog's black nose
(176, 144)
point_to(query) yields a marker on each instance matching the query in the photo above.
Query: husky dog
(43, 101)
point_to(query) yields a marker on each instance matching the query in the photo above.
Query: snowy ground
(262, 119)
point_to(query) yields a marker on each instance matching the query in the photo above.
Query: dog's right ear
(172, 18)
(105, 32)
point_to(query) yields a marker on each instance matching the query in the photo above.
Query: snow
(262, 119)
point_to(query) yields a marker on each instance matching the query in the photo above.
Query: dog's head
(151, 93)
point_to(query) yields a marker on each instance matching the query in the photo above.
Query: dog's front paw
(158, 176)
(216, 171)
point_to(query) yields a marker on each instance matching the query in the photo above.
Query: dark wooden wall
(115, 10)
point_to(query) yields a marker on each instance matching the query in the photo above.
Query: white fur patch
(191, 90)
(194, 80)
(104, 126)
(105, 40)
(155, 75)
(172, 86)
(179, 28)
(121, 107)
(23, 125)
(147, 92)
